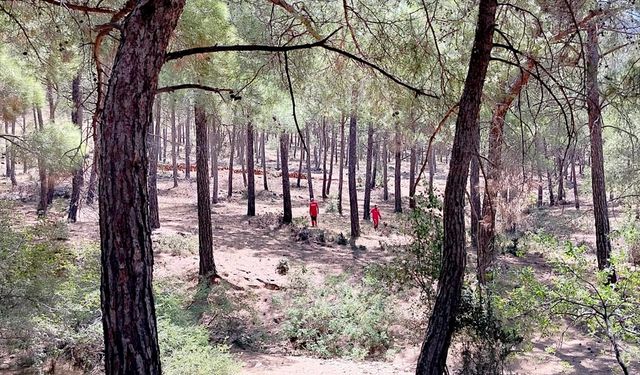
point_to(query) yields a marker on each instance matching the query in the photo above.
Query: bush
(176, 244)
(338, 319)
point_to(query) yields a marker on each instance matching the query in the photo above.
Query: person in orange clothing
(313, 212)
(375, 215)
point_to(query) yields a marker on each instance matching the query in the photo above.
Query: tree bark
(43, 205)
(433, 354)
(324, 159)
(215, 132)
(286, 188)
(412, 177)
(576, 197)
(374, 171)
(251, 188)
(128, 309)
(331, 157)
(398, 171)
(353, 138)
(309, 177)
(232, 142)
(242, 143)
(367, 185)
(341, 165)
(78, 174)
(207, 265)
(474, 192)
(302, 154)
(187, 144)
(385, 177)
(600, 210)
(174, 142)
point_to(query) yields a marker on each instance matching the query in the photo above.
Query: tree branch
(185, 86)
(82, 8)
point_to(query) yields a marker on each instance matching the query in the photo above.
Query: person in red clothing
(375, 215)
(313, 211)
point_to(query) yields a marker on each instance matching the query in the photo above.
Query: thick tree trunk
(367, 184)
(187, 144)
(474, 192)
(309, 177)
(207, 266)
(286, 188)
(341, 165)
(385, 177)
(174, 143)
(242, 142)
(78, 174)
(487, 227)
(353, 139)
(264, 162)
(600, 211)
(412, 177)
(232, 143)
(153, 138)
(128, 309)
(398, 171)
(251, 188)
(433, 355)
(331, 157)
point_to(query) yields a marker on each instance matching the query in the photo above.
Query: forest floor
(248, 250)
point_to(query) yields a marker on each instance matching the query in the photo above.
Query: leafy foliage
(59, 145)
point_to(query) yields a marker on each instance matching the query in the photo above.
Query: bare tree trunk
(264, 162)
(576, 197)
(278, 158)
(412, 177)
(309, 178)
(374, 172)
(286, 188)
(153, 138)
(242, 142)
(78, 174)
(600, 211)
(187, 144)
(174, 142)
(333, 152)
(398, 171)
(25, 164)
(324, 160)
(215, 133)
(128, 309)
(341, 164)
(432, 169)
(232, 142)
(367, 184)
(11, 158)
(561, 196)
(302, 154)
(251, 188)
(353, 139)
(385, 177)
(7, 147)
(43, 205)
(433, 354)
(207, 266)
(474, 182)
(164, 144)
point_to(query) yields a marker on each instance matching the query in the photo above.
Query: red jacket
(313, 208)
(375, 214)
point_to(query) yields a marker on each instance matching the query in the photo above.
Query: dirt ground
(247, 251)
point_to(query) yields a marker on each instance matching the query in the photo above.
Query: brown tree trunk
(331, 157)
(187, 145)
(576, 197)
(128, 309)
(43, 205)
(232, 142)
(398, 172)
(78, 174)
(264, 162)
(412, 177)
(474, 192)
(600, 211)
(174, 142)
(309, 177)
(215, 132)
(493, 170)
(153, 138)
(385, 177)
(207, 266)
(341, 165)
(251, 188)
(367, 184)
(432, 169)
(433, 354)
(7, 147)
(302, 154)
(324, 159)
(164, 144)
(242, 143)
(353, 139)
(286, 188)
(374, 171)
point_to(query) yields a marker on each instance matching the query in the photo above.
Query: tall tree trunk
(264, 162)
(333, 152)
(278, 157)
(385, 177)
(367, 184)
(576, 197)
(302, 154)
(398, 171)
(324, 159)
(561, 195)
(374, 171)
(174, 142)
(412, 177)
(242, 142)
(207, 265)
(78, 174)
(341, 164)
(286, 188)
(251, 188)
(187, 144)
(164, 144)
(433, 354)
(7, 147)
(474, 192)
(309, 178)
(11, 158)
(128, 309)
(432, 169)
(25, 164)
(487, 227)
(43, 205)
(232, 143)
(353, 139)
(215, 132)
(154, 142)
(600, 211)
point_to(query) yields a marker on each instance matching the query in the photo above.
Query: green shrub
(338, 318)
(176, 244)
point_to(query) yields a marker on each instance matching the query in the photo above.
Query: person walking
(375, 215)
(313, 212)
